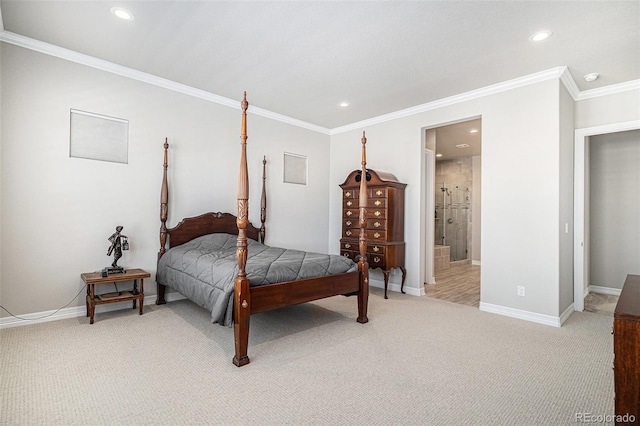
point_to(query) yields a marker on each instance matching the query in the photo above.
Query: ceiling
(458, 140)
(302, 59)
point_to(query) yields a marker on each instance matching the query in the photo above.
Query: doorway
(451, 200)
(582, 205)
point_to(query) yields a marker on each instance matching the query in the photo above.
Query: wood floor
(458, 284)
(461, 284)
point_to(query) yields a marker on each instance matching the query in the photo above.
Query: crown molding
(110, 67)
(567, 79)
(561, 73)
(609, 90)
(451, 100)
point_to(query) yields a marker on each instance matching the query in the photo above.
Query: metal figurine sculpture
(119, 242)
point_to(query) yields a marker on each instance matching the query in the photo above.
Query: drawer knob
(379, 192)
(348, 232)
(347, 245)
(376, 235)
(349, 213)
(349, 203)
(348, 223)
(377, 224)
(377, 213)
(376, 249)
(347, 194)
(377, 203)
(376, 259)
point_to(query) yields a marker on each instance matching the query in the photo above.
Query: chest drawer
(376, 235)
(376, 249)
(354, 203)
(376, 223)
(354, 214)
(375, 192)
(370, 234)
(378, 192)
(376, 261)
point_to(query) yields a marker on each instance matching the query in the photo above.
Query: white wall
(57, 212)
(520, 189)
(603, 110)
(614, 208)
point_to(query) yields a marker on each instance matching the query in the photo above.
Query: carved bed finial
(244, 105)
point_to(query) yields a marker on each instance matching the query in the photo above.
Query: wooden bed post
(241, 294)
(263, 200)
(363, 266)
(164, 202)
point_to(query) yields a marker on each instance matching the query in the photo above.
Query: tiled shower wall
(456, 172)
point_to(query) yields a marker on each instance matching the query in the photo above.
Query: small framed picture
(295, 168)
(98, 137)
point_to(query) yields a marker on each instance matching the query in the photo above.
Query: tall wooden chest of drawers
(385, 222)
(626, 349)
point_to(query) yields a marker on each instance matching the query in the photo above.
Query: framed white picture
(295, 168)
(99, 137)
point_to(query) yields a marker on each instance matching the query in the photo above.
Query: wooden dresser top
(628, 306)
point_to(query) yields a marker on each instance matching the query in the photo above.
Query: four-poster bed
(260, 280)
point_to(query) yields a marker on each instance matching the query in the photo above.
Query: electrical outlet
(520, 290)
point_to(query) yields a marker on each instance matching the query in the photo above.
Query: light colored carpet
(418, 361)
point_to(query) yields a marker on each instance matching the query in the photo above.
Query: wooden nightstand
(93, 299)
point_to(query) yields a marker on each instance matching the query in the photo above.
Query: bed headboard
(208, 223)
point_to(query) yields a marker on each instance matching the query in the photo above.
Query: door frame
(581, 204)
(427, 269)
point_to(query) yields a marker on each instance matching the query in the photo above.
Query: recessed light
(473, 131)
(344, 104)
(540, 35)
(591, 77)
(122, 13)
(438, 155)
(462, 145)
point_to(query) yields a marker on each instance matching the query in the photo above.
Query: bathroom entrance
(453, 208)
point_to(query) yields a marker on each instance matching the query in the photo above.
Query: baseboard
(476, 262)
(566, 314)
(520, 314)
(604, 290)
(396, 287)
(78, 311)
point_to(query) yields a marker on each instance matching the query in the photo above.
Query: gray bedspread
(203, 270)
